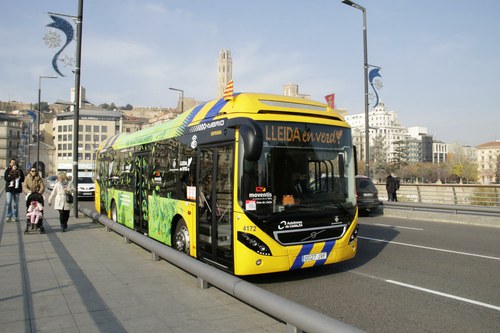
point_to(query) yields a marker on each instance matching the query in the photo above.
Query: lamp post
(78, 21)
(365, 51)
(182, 97)
(38, 120)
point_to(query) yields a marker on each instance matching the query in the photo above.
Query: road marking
(430, 248)
(398, 226)
(458, 298)
(430, 291)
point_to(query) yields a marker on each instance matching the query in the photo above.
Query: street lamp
(365, 51)
(76, 123)
(182, 97)
(38, 121)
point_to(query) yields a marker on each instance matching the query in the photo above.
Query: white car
(86, 187)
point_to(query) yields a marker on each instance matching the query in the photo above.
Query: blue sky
(439, 59)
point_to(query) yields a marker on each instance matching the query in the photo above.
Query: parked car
(86, 187)
(51, 182)
(366, 194)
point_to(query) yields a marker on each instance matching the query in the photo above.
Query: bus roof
(241, 103)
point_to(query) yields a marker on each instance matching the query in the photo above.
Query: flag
(228, 92)
(330, 99)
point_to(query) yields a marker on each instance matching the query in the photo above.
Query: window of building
(88, 137)
(88, 128)
(104, 129)
(96, 129)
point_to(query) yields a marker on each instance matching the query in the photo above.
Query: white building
(382, 122)
(487, 161)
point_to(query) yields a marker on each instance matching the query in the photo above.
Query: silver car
(51, 182)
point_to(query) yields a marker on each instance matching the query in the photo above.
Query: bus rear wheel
(181, 237)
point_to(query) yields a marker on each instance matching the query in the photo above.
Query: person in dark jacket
(392, 185)
(14, 178)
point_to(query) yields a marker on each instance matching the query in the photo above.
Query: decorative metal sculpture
(53, 40)
(378, 83)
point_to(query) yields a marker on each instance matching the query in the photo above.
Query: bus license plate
(314, 257)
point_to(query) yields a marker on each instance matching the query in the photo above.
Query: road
(408, 276)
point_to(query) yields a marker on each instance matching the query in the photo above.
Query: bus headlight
(254, 243)
(354, 234)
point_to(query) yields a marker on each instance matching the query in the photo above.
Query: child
(34, 212)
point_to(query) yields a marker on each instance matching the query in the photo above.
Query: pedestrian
(33, 183)
(59, 197)
(14, 178)
(391, 185)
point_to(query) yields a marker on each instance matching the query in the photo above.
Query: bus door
(215, 195)
(141, 172)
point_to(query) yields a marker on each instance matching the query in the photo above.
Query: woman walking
(59, 198)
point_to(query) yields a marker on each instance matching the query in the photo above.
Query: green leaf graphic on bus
(162, 211)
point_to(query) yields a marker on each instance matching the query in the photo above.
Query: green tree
(462, 168)
(378, 156)
(44, 105)
(400, 157)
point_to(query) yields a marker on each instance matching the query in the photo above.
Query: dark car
(366, 194)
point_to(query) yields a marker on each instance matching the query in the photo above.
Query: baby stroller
(35, 196)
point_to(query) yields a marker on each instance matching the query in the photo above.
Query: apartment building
(95, 126)
(11, 131)
(488, 155)
(382, 122)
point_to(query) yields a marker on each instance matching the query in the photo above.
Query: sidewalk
(90, 280)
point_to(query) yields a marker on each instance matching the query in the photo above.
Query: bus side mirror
(252, 142)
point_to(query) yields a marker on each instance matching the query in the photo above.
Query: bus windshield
(299, 176)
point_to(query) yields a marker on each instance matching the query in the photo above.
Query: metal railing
(297, 317)
(446, 194)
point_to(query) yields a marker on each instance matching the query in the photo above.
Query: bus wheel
(181, 240)
(114, 213)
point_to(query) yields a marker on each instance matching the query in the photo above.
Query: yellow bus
(256, 184)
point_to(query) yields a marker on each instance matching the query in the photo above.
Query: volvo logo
(312, 235)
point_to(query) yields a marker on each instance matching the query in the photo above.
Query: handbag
(69, 198)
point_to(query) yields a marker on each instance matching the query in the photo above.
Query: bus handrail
(298, 318)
